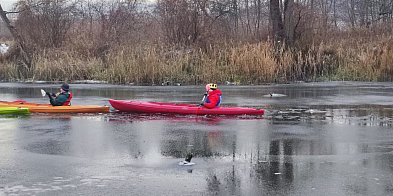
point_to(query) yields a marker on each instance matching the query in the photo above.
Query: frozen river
(332, 138)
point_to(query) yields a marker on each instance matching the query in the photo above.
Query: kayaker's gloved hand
(205, 94)
(50, 95)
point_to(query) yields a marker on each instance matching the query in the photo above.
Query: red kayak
(173, 108)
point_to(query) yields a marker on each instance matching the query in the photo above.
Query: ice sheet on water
(186, 163)
(4, 48)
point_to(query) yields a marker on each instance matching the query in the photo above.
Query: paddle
(203, 99)
(43, 93)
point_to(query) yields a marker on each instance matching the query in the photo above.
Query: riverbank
(349, 58)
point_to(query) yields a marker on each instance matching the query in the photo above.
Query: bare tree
(18, 38)
(182, 20)
(45, 23)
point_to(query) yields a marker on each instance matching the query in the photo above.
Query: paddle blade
(204, 97)
(43, 93)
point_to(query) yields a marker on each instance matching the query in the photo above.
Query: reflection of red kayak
(157, 107)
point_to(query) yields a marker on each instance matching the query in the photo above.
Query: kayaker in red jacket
(63, 98)
(212, 97)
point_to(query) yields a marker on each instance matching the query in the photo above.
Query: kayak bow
(13, 110)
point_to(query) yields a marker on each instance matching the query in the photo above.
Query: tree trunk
(351, 13)
(258, 19)
(289, 22)
(275, 16)
(248, 26)
(18, 39)
(335, 13)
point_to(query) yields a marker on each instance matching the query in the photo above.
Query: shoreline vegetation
(245, 64)
(124, 43)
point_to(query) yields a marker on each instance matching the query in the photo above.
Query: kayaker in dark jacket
(62, 98)
(213, 96)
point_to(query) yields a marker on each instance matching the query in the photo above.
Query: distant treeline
(198, 41)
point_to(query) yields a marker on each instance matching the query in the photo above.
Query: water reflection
(276, 172)
(203, 144)
(71, 135)
(213, 184)
(7, 133)
(90, 138)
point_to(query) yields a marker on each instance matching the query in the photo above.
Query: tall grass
(360, 59)
(60, 65)
(8, 71)
(366, 61)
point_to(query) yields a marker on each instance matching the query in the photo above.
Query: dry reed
(343, 59)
